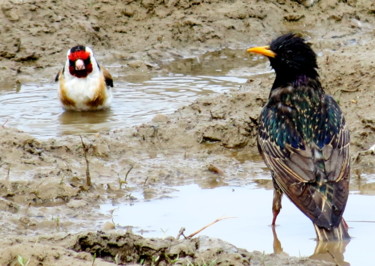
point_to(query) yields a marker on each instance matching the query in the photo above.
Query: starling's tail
(334, 234)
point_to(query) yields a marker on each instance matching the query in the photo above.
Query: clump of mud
(43, 187)
(129, 248)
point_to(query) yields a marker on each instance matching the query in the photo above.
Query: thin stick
(181, 233)
(127, 173)
(214, 222)
(144, 183)
(8, 173)
(346, 90)
(88, 177)
(6, 121)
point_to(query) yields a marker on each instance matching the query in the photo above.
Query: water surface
(35, 108)
(249, 227)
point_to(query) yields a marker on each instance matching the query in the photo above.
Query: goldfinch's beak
(80, 65)
(263, 50)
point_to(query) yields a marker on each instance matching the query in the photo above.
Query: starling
(303, 139)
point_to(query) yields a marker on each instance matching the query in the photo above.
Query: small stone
(293, 17)
(75, 204)
(136, 64)
(108, 226)
(160, 118)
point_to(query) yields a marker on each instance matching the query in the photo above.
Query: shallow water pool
(248, 212)
(35, 108)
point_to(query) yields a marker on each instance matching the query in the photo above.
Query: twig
(8, 173)
(127, 173)
(181, 233)
(126, 177)
(144, 183)
(204, 227)
(6, 121)
(347, 90)
(88, 177)
(214, 169)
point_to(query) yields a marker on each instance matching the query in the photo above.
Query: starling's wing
(314, 173)
(283, 147)
(333, 141)
(107, 77)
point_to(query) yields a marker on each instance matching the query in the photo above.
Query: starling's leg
(276, 203)
(346, 226)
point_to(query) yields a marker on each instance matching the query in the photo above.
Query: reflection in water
(82, 121)
(94, 117)
(277, 248)
(193, 207)
(37, 110)
(332, 251)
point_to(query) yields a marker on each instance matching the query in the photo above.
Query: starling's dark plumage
(304, 140)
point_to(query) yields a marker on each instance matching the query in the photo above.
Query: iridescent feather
(304, 140)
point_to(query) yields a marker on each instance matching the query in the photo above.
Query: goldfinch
(83, 84)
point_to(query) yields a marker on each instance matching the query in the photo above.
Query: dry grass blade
(88, 176)
(6, 121)
(127, 173)
(205, 227)
(181, 233)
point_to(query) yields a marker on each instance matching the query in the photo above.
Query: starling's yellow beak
(263, 50)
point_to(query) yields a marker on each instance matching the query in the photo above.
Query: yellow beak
(263, 50)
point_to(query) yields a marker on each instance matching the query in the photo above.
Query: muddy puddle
(247, 212)
(34, 108)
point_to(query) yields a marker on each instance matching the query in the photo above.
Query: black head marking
(294, 57)
(78, 48)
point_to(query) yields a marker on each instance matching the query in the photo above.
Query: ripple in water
(35, 108)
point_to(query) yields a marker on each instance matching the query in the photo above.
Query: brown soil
(47, 178)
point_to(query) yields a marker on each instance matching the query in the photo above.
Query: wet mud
(49, 210)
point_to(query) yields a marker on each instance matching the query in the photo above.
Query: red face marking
(83, 55)
(79, 55)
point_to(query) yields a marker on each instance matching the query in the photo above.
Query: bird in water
(303, 139)
(83, 84)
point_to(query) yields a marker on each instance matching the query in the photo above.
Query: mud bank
(43, 186)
